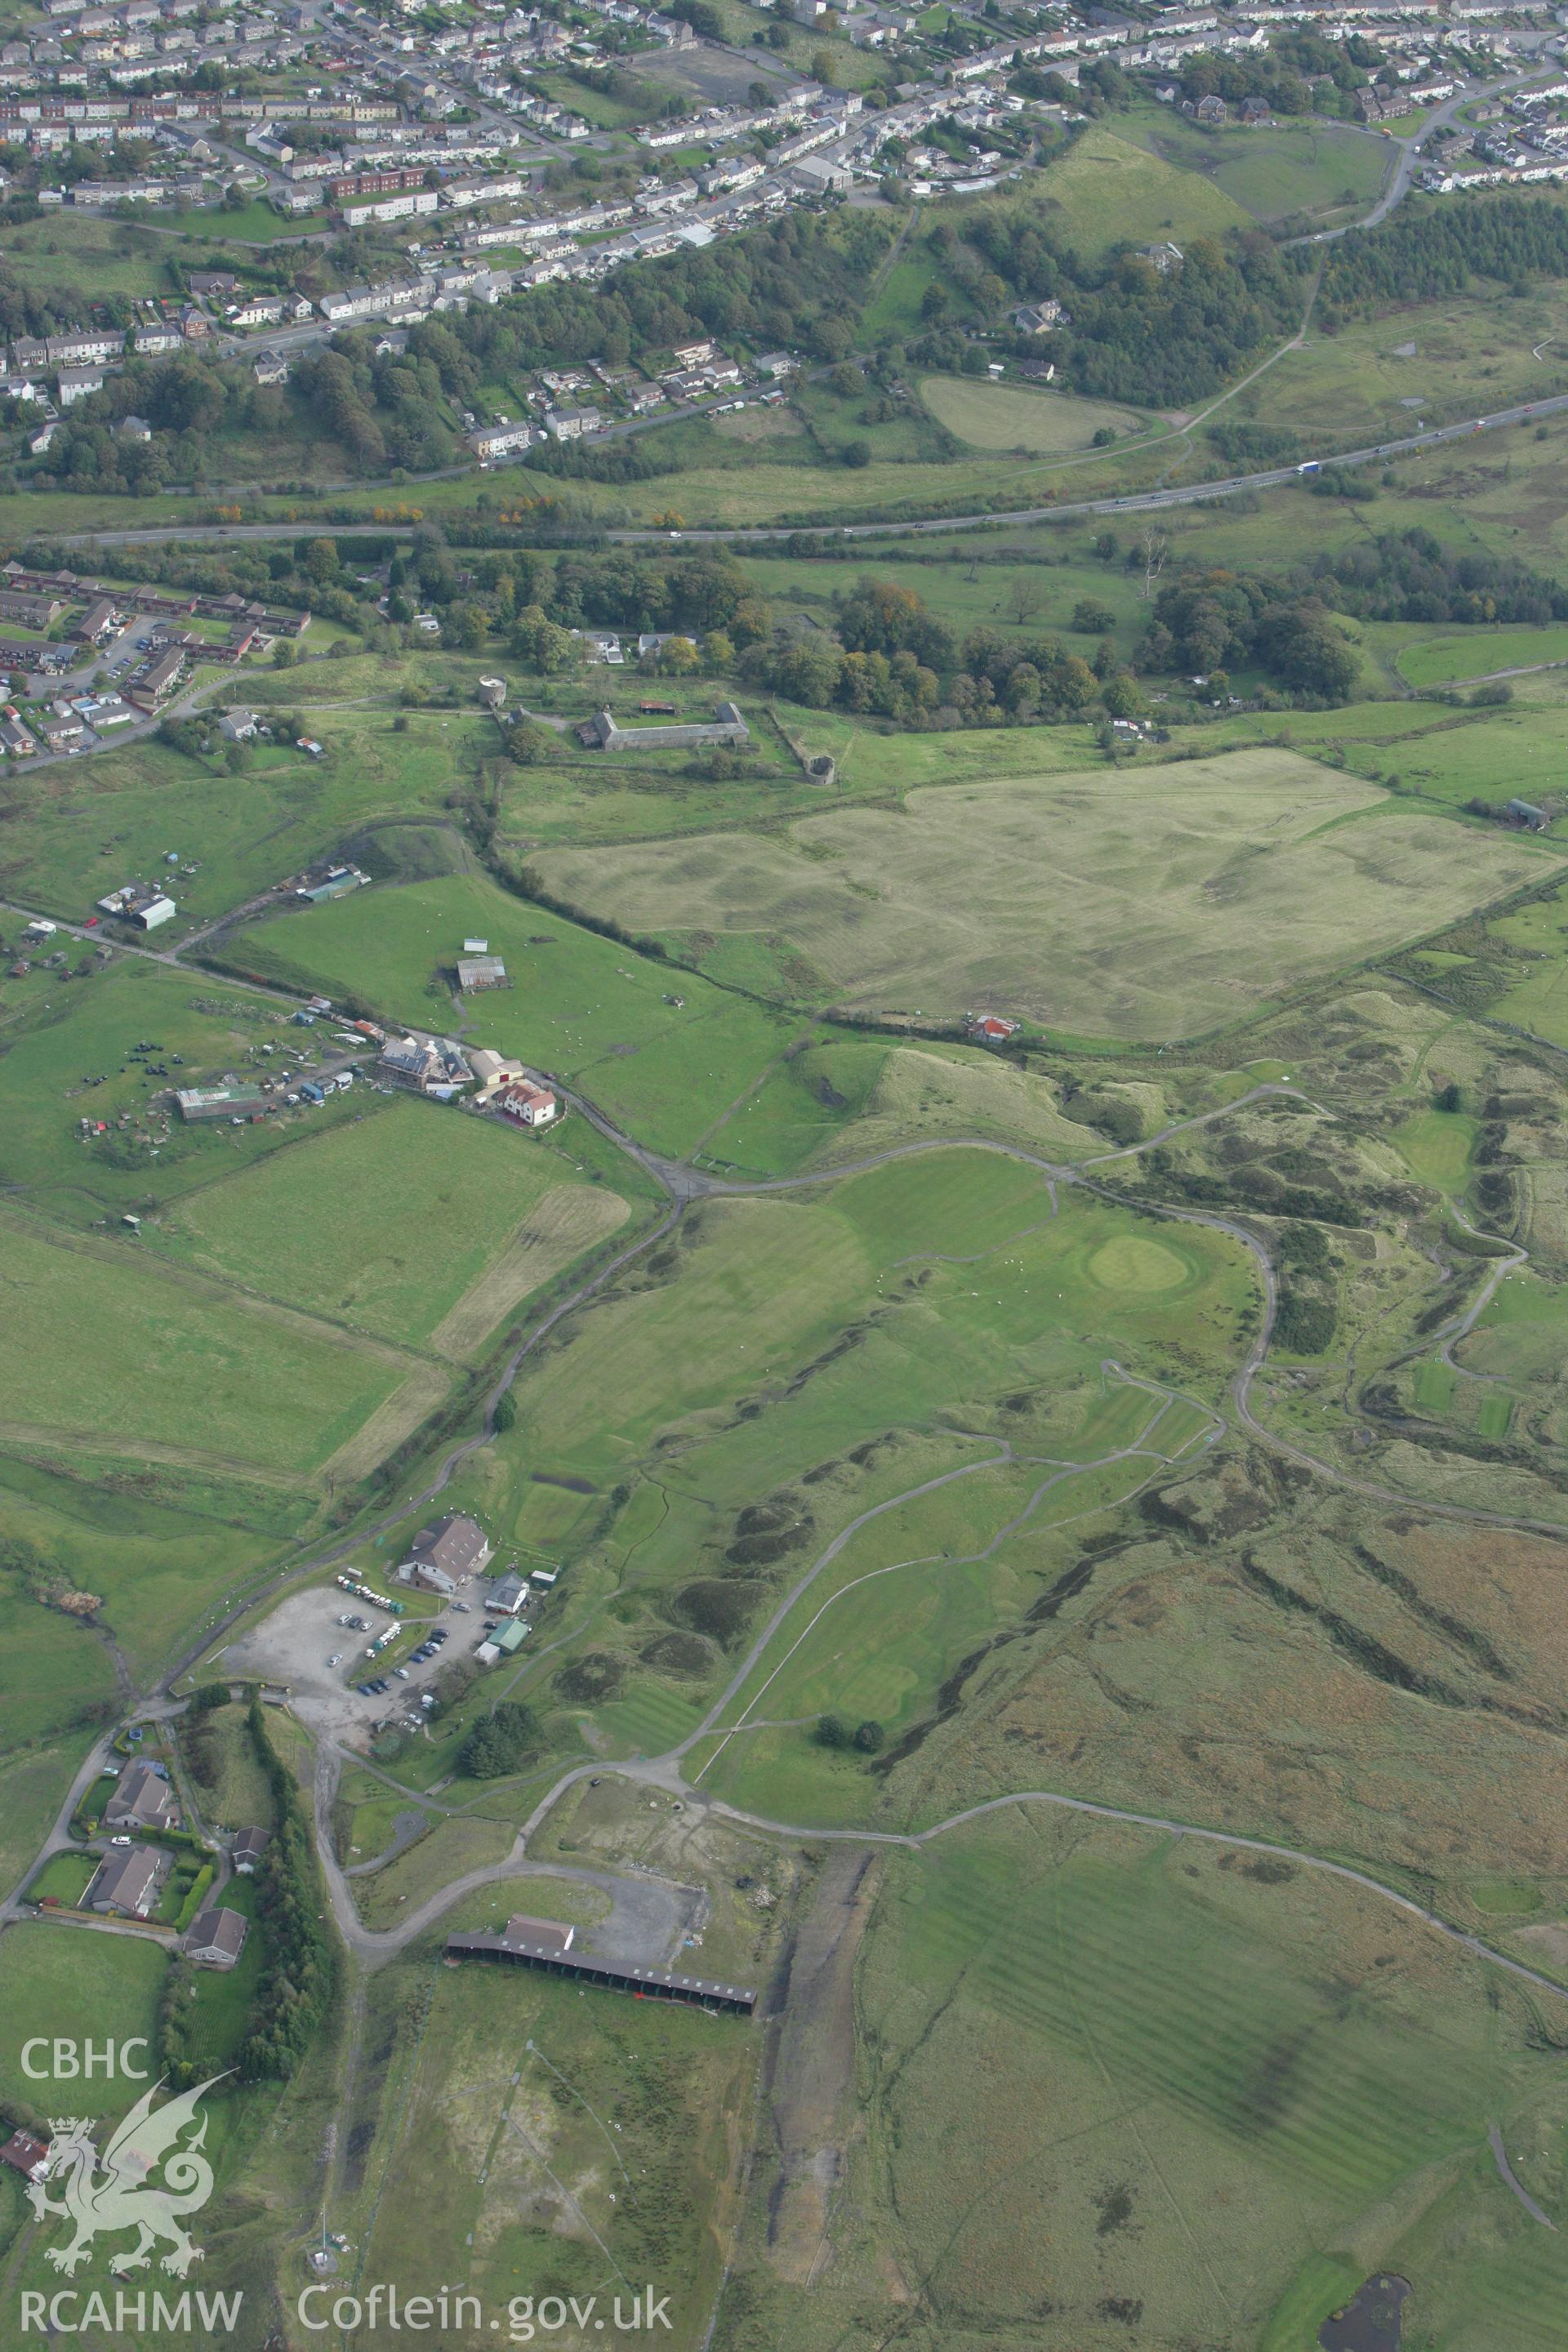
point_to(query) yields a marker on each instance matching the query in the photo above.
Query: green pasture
(596, 1012)
(1479, 653)
(1030, 599)
(83, 1031)
(1271, 870)
(70, 1983)
(878, 1642)
(1107, 191)
(930, 1298)
(96, 823)
(1537, 1001)
(1005, 416)
(1293, 167)
(385, 1223)
(109, 1349)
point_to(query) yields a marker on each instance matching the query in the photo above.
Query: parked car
(402, 1672)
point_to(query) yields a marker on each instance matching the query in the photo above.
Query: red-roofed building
(26, 2154)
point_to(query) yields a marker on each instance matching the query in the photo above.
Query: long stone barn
(602, 734)
(645, 1984)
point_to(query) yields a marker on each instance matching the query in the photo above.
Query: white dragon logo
(119, 2199)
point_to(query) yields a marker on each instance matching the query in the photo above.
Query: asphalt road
(1134, 502)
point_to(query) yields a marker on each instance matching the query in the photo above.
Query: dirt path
(809, 2085)
(1500, 2157)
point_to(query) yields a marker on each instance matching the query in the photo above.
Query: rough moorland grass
(1002, 416)
(1471, 355)
(476, 2089)
(941, 906)
(1310, 2077)
(108, 1347)
(394, 1223)
(450, 1850)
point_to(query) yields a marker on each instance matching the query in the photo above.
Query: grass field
(73, 1983)
(1308, 167)
(236, 1385)
(1106, 191)
(570, 2134)
(582, 1006)
(1438, 1145)
(399, 1223)
(1001, 417)
(936, 907)
(1479, 653)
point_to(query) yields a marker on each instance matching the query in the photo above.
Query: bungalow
(142, 1799)
(216, 1937)
(455, 1544)
(127, 1884)
(237, 726)
(247, 1849)
(270, 367)
(507, 1594)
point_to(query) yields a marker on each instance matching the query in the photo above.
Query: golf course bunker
(1131, 1262)
(1372, 2321)
(1153, 905)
